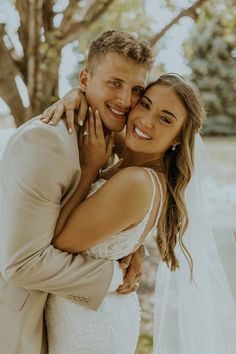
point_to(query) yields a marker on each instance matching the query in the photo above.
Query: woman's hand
(94, 148)
(74, 102)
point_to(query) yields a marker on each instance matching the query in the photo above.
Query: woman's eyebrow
(148, 99)
(168, 112)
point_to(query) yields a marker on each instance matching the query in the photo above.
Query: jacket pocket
(12, 295)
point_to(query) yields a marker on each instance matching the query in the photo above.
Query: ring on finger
(85, 133)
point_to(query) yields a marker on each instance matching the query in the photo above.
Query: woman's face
(155, 122)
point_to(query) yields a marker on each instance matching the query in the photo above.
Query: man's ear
(83, 80)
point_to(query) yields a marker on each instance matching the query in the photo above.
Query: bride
(142, 196)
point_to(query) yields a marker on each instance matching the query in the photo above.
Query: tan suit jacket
(39, 171)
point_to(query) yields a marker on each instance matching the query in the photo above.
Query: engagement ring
(85, 133)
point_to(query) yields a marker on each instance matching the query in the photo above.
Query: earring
(173, 147)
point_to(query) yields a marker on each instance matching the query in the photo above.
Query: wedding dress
(115, 327)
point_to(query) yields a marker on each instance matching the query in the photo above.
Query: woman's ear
(83, 80)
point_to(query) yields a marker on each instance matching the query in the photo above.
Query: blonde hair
(178, 169)
(121, 43)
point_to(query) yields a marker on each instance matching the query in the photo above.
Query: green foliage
(211, 53)
(123, 15)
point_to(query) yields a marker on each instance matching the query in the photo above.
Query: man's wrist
(117, 278)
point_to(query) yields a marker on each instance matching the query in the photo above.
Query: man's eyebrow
(120, 80)
(168, 112)
(116, 78)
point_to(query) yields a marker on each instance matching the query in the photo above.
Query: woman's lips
(139, 134)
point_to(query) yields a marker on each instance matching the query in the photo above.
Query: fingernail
(123, 265)
(90, 109)
(81, 123)
(51, 123)
(70, 130)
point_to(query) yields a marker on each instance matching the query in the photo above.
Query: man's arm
(35, 172)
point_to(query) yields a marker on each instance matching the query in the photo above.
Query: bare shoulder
(134, 184)
(134, 175)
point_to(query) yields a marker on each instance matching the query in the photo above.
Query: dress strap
(154, 177)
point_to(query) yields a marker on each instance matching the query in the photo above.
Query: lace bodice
(123, 243)
(115, 327)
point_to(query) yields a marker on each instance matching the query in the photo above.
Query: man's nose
(124, 99)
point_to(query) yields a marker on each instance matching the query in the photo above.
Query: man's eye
(138, 91)
(115, 83)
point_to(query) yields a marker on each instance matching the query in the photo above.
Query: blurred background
(43, 46)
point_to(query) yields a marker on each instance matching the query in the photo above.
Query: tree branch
(34, 79)
(68, 16)
(22, 8)
(189, 12)
(48, 15)
(8, 88)
(95, 11)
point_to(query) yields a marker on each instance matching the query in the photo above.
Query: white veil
(197, 316)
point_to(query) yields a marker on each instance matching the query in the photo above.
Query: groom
(38, 173)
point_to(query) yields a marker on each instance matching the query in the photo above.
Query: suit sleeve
(33, 176)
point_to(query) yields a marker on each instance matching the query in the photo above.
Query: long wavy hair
(178, 165)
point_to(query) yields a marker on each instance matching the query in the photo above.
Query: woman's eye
(166, 120)
(144, 104)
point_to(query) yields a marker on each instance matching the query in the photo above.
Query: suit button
(86, 300)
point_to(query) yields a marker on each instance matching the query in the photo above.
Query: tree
(43, 31)
(211, 53)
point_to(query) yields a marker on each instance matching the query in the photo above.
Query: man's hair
(122, 43)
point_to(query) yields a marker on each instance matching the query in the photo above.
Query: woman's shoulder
(133, 174)
(133, 181)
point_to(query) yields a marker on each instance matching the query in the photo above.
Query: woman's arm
(93, 153)
(121, 202)
(78, 196)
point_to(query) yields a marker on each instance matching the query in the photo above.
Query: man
(39, 172)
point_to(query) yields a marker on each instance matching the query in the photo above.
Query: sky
(171, 55)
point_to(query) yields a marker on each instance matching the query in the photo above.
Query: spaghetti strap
(153, 176)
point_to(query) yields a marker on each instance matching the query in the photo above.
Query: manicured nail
(123, 265)
(81, 123)
(70, 130)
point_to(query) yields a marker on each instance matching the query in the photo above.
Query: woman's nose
(148, 120)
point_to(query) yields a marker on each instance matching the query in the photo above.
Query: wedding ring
(85, 133)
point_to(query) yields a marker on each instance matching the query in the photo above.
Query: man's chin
(113, 127)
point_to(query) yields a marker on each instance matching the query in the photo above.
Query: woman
(140, 197)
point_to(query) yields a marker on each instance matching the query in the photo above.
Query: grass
(145, 344)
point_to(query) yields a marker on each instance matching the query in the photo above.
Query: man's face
(115, 86)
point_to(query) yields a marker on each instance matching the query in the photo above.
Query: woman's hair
(178, 169)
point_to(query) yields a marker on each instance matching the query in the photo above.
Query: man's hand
(73, 102)
(133, 264)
